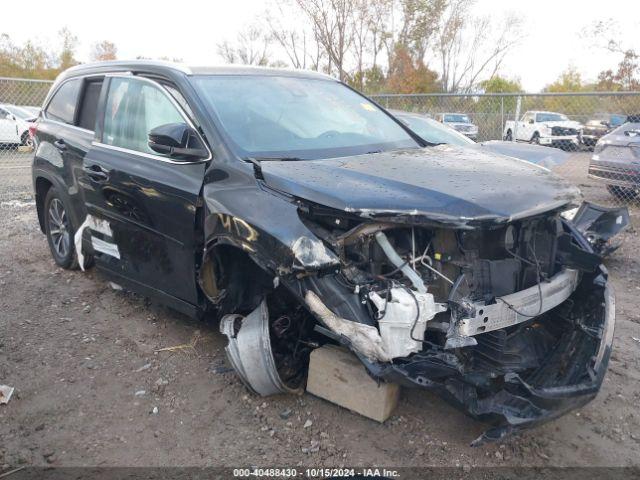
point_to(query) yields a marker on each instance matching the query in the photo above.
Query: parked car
(599, 126)
(544, 128)
(616, 160)
(298, 213)
(460, 122)
(14, 128)
(436, 133)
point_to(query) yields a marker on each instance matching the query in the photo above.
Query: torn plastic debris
(5, 394)
(100, 226)
(364, 338)
(249, 352)
(600, 224)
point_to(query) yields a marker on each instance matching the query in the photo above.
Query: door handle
(60, 145)
(96, 173)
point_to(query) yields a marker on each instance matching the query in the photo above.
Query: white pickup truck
(544, 128)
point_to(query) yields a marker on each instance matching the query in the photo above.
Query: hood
(544, 156)
(623, 135)
(564, 123)
(443, 184)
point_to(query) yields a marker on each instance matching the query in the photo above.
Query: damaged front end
(506, 313)
(511, 322)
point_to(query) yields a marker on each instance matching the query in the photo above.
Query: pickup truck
(545, 128)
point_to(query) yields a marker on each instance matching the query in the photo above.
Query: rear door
(65, 132)
(145, 203)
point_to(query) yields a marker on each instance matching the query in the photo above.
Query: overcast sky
(191, 30)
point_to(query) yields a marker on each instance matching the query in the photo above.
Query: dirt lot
(88, 377)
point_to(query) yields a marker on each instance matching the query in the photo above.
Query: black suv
(297, 212)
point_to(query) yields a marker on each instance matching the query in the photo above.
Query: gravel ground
(93, 389)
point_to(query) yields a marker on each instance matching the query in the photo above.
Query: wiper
(257, 168)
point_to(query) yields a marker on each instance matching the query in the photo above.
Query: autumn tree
(104, 50)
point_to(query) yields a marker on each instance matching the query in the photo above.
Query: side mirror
(177, 140)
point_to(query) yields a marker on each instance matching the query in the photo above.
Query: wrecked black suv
(297, 212)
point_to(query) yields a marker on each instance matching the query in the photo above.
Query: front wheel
(59, 230)
(535, 139)
(26, 140)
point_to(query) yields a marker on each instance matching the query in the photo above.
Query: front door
(143, 204)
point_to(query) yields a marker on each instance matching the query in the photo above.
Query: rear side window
(89, 105)
(62, 106)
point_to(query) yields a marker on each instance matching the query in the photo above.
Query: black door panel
(151, 207)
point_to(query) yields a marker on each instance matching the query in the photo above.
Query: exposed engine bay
(490, 316)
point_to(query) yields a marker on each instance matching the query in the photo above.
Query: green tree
(66, 57)
(498, 84)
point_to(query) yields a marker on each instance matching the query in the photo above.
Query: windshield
(278, 116)
(19, 112)
(617, 120)
(550, 117)
(433, 131)
(456, 118)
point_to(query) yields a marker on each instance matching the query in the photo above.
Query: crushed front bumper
(525, 399)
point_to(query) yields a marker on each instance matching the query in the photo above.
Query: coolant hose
(394, 258)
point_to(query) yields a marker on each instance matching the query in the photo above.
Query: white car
(14, 126)
(545, 128)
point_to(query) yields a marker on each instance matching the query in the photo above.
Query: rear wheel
(59, 230)
(509, 136)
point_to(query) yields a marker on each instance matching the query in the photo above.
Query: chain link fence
(20, 102)
(573, 122)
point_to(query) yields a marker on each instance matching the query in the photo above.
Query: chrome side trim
(502, 314)
(147, 155)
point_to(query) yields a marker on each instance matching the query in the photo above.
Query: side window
(89, 104)
(134, 107)
(62, 106)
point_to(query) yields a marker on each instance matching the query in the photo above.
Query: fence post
(515, 120)
(501, 117)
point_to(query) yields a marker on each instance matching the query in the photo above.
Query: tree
(66, 58)
(498, 84)
(569, 81)
(250, 48)
(332, 22)
(468, 48)
(104, 50)
(406, 77)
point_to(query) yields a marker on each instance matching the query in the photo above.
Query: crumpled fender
(266, 225)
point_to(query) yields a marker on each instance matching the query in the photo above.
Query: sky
(190, 30)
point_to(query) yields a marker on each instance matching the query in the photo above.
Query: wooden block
(337, 375)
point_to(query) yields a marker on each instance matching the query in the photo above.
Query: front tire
(535, 139)
(26, 140)
(59, 230)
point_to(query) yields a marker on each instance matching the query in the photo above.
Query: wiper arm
(257, 168)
